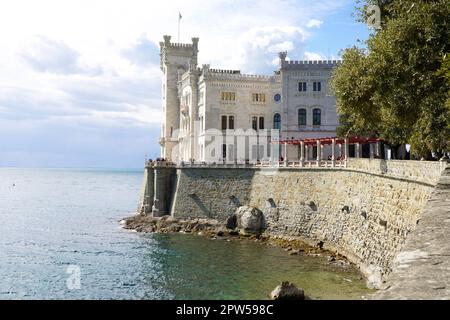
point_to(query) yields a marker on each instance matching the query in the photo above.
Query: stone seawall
(421, 270)
(364, 211)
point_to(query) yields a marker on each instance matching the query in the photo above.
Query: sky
(80, 82)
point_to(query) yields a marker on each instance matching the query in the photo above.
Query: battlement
(235, 75)
(224, 71)
(176, 50)
(298, 64)
(180, 45)
(166, 44)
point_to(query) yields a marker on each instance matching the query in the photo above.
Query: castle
(360, 205)
(201, 104)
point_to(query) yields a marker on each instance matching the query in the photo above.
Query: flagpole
(179, 20)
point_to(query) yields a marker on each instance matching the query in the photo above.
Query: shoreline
(215, 229)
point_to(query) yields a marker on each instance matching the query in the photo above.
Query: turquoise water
(52, 220)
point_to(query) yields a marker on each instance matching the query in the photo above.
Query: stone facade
(199, 104)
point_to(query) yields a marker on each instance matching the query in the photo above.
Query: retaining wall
(364, 211)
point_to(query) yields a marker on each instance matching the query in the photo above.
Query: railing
(421, 171)
(267, 164)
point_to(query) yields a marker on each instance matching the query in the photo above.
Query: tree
(395, 88)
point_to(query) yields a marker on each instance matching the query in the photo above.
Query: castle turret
(176, 58)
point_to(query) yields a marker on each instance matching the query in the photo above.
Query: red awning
(329, 140)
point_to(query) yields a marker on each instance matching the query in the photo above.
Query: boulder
(231, 222)
(220, 232)
(250, 220)
(287, 291)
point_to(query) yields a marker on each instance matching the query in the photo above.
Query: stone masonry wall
(420, 171)
(362, 215)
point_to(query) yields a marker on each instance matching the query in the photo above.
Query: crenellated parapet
(183, 50)
(306, 64)
(224, 71)
(236, 75)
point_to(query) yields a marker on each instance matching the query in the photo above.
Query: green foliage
(396, 88)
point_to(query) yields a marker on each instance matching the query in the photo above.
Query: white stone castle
(201, 104)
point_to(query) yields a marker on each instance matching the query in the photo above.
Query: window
(224, 151)
(317, 117)
(277, 97)
(228, 96)
(317, 86)
(224, 122)
(277, 121)
(231, 122)
(258, 97)
(302, 86)
(302, 117)
(200, 120)
(227, 122)
(255, 123)
(261, 123)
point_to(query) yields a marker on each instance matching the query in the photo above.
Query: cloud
(142, 53)
(314, 23)
(260, 46)
(47, 55)
(314, 56)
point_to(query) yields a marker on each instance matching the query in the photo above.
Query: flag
(179, 16)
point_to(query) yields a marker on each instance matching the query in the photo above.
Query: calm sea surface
(55, 223)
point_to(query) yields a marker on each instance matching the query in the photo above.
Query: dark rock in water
(287, 291)
(233, 233)
(231, 221)
(250, 220)
(220, 232)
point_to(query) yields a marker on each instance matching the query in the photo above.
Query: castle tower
(176, 59)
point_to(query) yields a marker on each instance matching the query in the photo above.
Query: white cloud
(314, 23)
(47, 55)
(314, 56)
(259, 46)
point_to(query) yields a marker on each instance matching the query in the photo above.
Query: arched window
(261, 123)
(255, 123)
(231, 122)
(302, 117)
(224, 122)
(277, 121)
(317, 114)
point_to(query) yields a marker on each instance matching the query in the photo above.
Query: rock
(233, 233)
(250, 220)
(231, 222)
(287, 291)
(198, 227)
(174, 227)
(220, 232)
(375, 277)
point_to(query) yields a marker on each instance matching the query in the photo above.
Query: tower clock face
(277, 97)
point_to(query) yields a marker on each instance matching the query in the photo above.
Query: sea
(60, 238)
